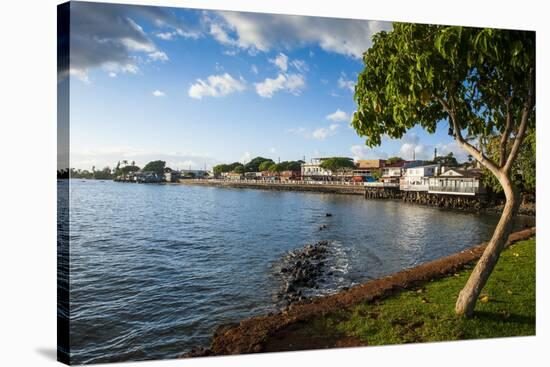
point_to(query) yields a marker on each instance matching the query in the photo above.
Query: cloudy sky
(197, 88)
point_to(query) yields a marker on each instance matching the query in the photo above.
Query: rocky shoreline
(251, 335)
(300, 270)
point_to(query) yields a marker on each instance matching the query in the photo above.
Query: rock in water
(301, 269)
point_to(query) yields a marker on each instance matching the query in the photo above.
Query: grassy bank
(426, 314)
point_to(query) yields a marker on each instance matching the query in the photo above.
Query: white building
(313, 170)
(457, 182)
(417, 178)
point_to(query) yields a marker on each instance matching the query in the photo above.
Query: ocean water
(154, 269)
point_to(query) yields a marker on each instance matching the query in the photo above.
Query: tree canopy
(524, 170)
(336, 164)
(446, 160)
(290, 166)
(393, 160)
(264, 166)
(255, 163)
(156, 167)
(223, 168)
(127, 169)
(423, 74)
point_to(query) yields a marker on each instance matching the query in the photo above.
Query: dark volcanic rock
(301, 269)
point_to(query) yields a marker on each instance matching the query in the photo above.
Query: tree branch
(478, 155)
(527, 106)
(506, 134)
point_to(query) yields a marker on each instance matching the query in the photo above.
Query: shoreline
(474, 205)
(250, 335)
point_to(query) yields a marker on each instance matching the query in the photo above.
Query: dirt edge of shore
(250, 335)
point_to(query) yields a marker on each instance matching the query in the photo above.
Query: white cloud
(413, 147)
(81, 75)
(158, 56)
(264, 32)
(166, 36)
(272, 150)
(320, 133)
(452, 147)
(216, 86)
(220, 35)
(300, 65)
(130, 68)
(246, 157)
(189, 33)
(344, 83)
(281, 61)
(338, 116)
(158, 93)
(112, 74)
(364, 152)
(293, 83)
(170, 35)
(254, 69)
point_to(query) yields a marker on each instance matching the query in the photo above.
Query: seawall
(472, 203)
(349, 189)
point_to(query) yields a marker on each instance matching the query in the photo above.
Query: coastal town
(441, 176)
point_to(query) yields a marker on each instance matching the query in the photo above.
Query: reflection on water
(155, 268)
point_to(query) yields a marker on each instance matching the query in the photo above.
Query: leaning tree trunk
(468, 296)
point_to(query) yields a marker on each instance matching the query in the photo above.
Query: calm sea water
(156, 268)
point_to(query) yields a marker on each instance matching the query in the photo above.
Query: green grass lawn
(506, 308)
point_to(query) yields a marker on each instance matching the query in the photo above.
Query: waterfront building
(367, 169)
(253, 175)
(314, 172)
(171, 175)
(234, 176)
(147, 177)
(290, 175)
(269, 176)
(417, 178)
(391, 173)
(193, 173)
(457, 182)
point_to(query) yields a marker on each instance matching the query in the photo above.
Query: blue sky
(198, 88)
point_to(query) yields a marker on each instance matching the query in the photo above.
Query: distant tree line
(258, 164)
(105, 174)
(123, 167)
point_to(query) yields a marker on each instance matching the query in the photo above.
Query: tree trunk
(467, 298)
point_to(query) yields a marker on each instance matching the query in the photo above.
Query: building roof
(458, 172)
(424, 166)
